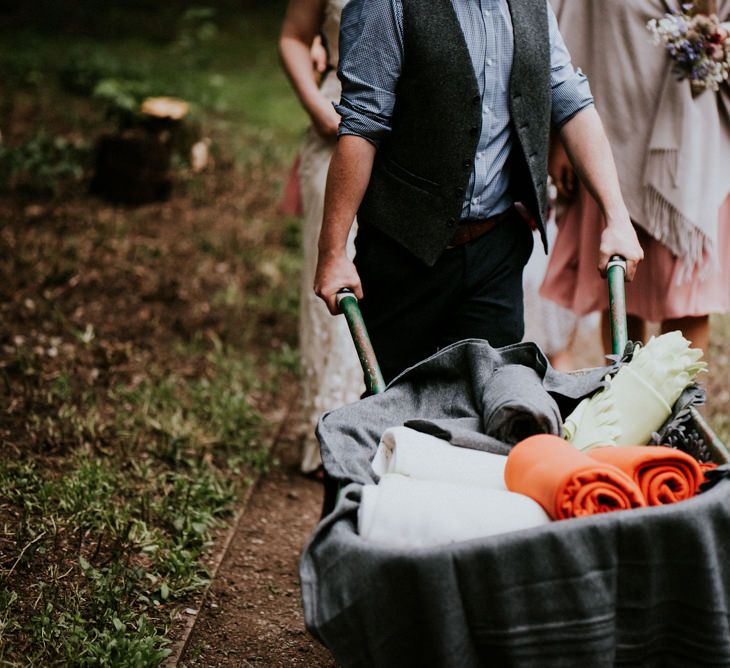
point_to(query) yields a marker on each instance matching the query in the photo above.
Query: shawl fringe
(683, 238)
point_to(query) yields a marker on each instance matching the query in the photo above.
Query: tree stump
(133, 164)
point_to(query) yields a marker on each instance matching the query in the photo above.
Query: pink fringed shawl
(672, 150)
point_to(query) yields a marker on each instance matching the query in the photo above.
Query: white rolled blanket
(424, 457)
(403, 512)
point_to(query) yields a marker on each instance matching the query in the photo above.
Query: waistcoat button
(459, 191)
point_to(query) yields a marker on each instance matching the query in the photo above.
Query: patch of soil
(253, 615)
(99, 300)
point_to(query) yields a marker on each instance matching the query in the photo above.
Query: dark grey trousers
(473, 291)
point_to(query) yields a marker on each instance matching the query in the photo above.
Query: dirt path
(253, 615)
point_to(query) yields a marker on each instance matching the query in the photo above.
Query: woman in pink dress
(672, 150)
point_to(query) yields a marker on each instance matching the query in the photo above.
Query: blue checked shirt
(371, 54)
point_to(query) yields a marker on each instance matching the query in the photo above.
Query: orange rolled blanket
(566, 482)
(664, 475)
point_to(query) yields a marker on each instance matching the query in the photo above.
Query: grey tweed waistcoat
(422, 170)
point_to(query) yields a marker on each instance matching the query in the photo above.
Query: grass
(141, 350)
(232, 79)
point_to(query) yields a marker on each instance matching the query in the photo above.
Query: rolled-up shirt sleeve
(571, 92)
(371, 57)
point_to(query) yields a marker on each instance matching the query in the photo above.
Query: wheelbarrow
(716, 450)
(646, 587)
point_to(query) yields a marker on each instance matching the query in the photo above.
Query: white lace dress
(332, 375)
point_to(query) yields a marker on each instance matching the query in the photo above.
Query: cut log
(133, 167)
(165, 107)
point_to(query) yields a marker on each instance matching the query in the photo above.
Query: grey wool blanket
(648, 587)
(485, 398)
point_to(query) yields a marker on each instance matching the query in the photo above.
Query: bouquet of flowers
(698, 44)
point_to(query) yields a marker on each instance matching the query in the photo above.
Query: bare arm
(347, 181)
(561, 171)
(319, 55)
(371, 54)
(587, 145)
(298, 32)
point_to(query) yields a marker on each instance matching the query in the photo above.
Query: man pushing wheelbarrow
(434, 156)
(447, 111)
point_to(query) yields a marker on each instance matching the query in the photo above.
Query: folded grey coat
(467, 391)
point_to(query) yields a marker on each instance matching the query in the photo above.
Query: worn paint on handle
(349, 307)
(617, 304)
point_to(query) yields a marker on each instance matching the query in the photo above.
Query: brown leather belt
(470, 229)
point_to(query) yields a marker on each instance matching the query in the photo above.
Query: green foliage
(122, 82)
(134, 534)
(196, 31)
(21, 69)
(119, 537)
(291, 237)
(213, 414)
(122, 97)
(65, 634)
(43, 164)
(85, 66)
(8, 617)
(231, 70)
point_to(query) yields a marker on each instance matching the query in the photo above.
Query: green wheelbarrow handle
(347, 303)
(616, 274)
